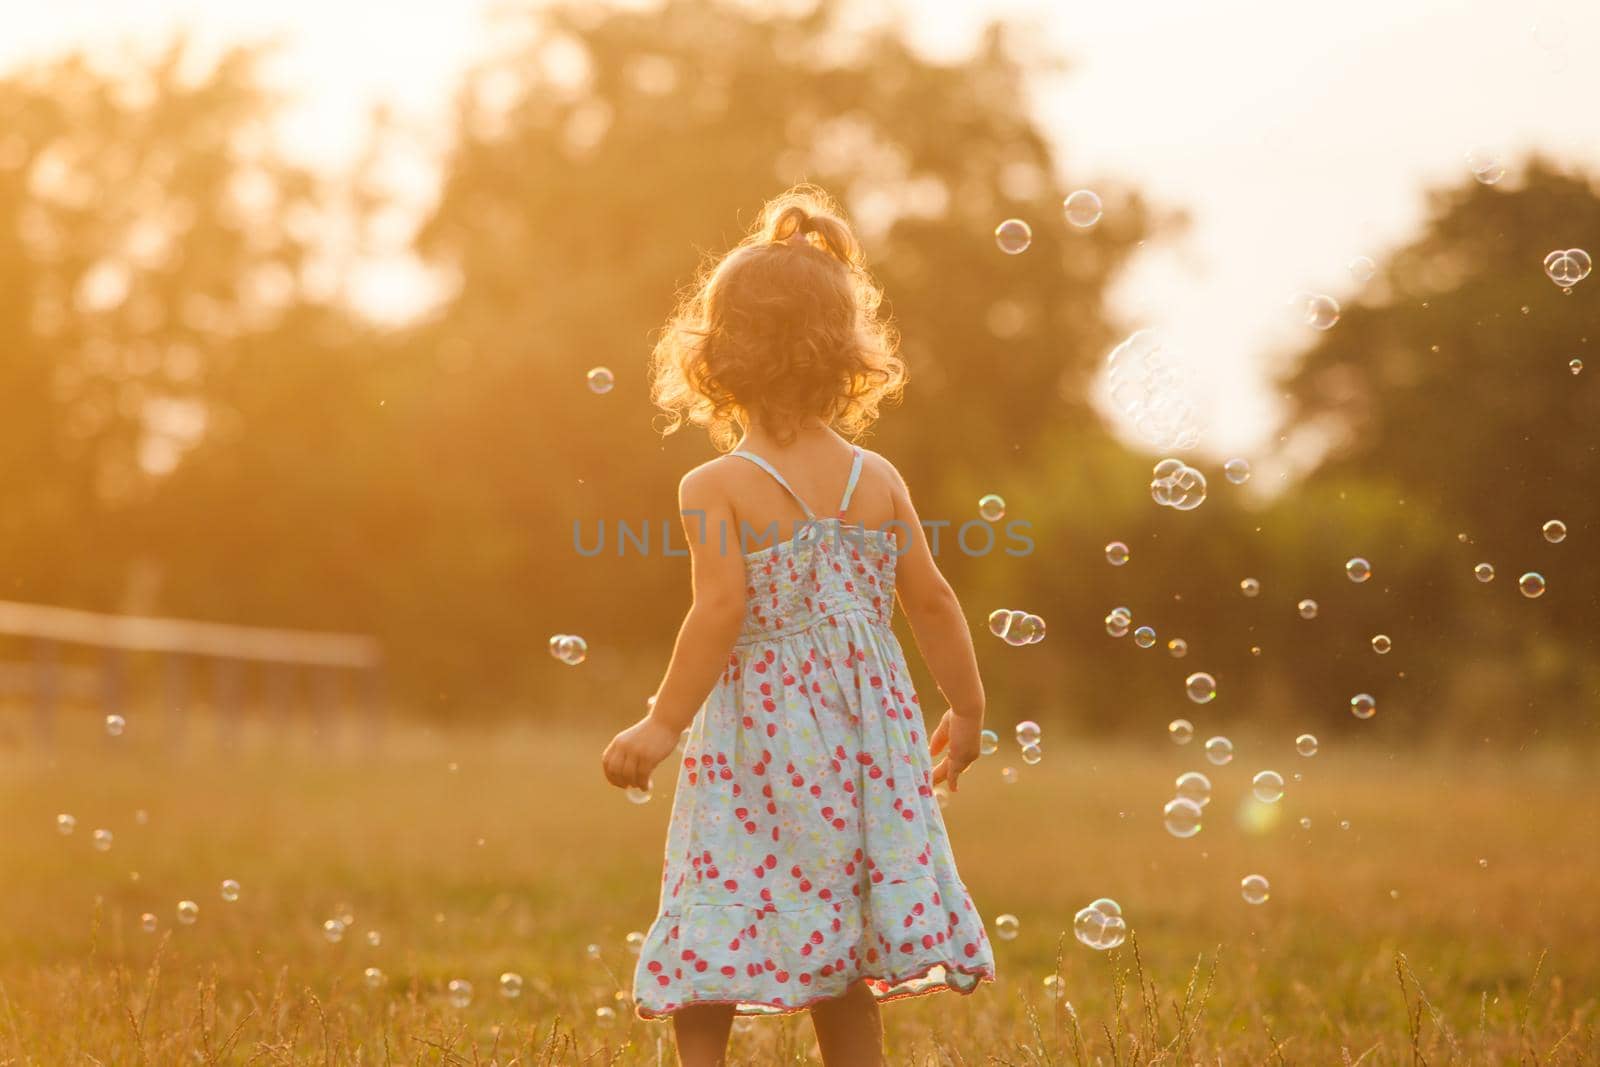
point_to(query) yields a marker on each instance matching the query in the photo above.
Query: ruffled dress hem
(884, 989)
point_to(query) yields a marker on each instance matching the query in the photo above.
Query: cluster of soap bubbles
(1029, 737)
(1175, 484)
(1148, 385)
(569, 649)
(600, 380)
(1100, 925)
(1082, 210)
(1016, 627)
(1567, 267)
(1182, 814)
(1118, 620)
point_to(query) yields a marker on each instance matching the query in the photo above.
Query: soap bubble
(1193, 787)
(991, 507)
(333, 931)
(1181, 731)
(1028, 733)
(1484, 572)
(1116, 553)
(1006, 927)
(1362, 269)
(1305, 822)
(1267, 786)
(1025, 629)
(1201, 687)
(115, 724)
(569, 648)
(1183, 490)
(1363, 706)
(1307, 609)
(1567, 268)
(1254, 889)
(1178, 647)
(1054, 987)
(510, 985)
(1032, 754)
(988, 743)
(1147, 383)
(230, 890)
(1082, 209)
(1219, 750)
(1555, 531)
(1144, 637)
(1181, 817)
(1306, 745)
(373, 977)
(1575, 366)
(1008, 775)
(636, 795)
(600, 380)
(188, 912)
(605, 1015)
(1000, 621)
(1321, 311)
(374, 938)
(1236, 471)
(1344, 824)
(1531, 584)
(101, 839)
(460, 992)
(1117, 625)
(1013, 236)
(148, 922)
(634, 941)
(1486, 166)
(1250, 587)
(1100, 926)
(65, 824)
(1357, 569)
(1381, 644)
(592, 951)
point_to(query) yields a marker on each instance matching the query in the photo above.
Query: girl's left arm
(705, 638)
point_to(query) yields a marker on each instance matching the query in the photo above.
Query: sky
(1295, 136)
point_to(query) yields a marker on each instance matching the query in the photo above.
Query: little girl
(807, 865)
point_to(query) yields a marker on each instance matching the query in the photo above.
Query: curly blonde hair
(783, 328)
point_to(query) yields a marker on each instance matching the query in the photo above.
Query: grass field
(1415, 935)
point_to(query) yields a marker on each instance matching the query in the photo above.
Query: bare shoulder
(711, 481)
(876, 465)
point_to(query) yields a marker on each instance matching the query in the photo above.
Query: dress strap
(770, 469)
(850, 485)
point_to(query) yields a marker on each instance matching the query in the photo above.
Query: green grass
(521, 857)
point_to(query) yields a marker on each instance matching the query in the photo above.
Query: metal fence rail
(181, 645)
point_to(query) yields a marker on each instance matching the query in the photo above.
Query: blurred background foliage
(196, 425)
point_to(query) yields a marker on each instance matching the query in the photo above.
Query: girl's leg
(849, 1032)
(701, 1031)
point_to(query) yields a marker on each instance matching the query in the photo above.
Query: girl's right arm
(942, 636)
(704, 640)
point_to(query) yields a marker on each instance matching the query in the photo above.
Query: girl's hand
(637, 751)
(957, 738)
